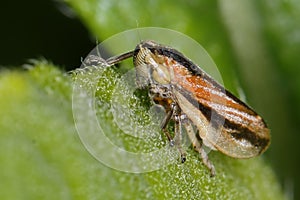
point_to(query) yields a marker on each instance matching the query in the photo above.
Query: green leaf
(43, 157)
(255, 45)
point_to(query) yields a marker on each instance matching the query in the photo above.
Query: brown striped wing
(223, 121)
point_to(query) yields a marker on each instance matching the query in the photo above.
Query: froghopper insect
(211, 115)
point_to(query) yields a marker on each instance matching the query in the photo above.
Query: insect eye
(161, 75)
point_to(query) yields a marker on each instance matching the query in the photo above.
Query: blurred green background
(255, 44)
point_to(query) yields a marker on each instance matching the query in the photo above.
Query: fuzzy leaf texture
(42, 156)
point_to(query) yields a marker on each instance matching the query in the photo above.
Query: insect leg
(199, 148)
(178, 130)
(164, 126)
(178, 137)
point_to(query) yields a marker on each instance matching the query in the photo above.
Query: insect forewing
(224, 122)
